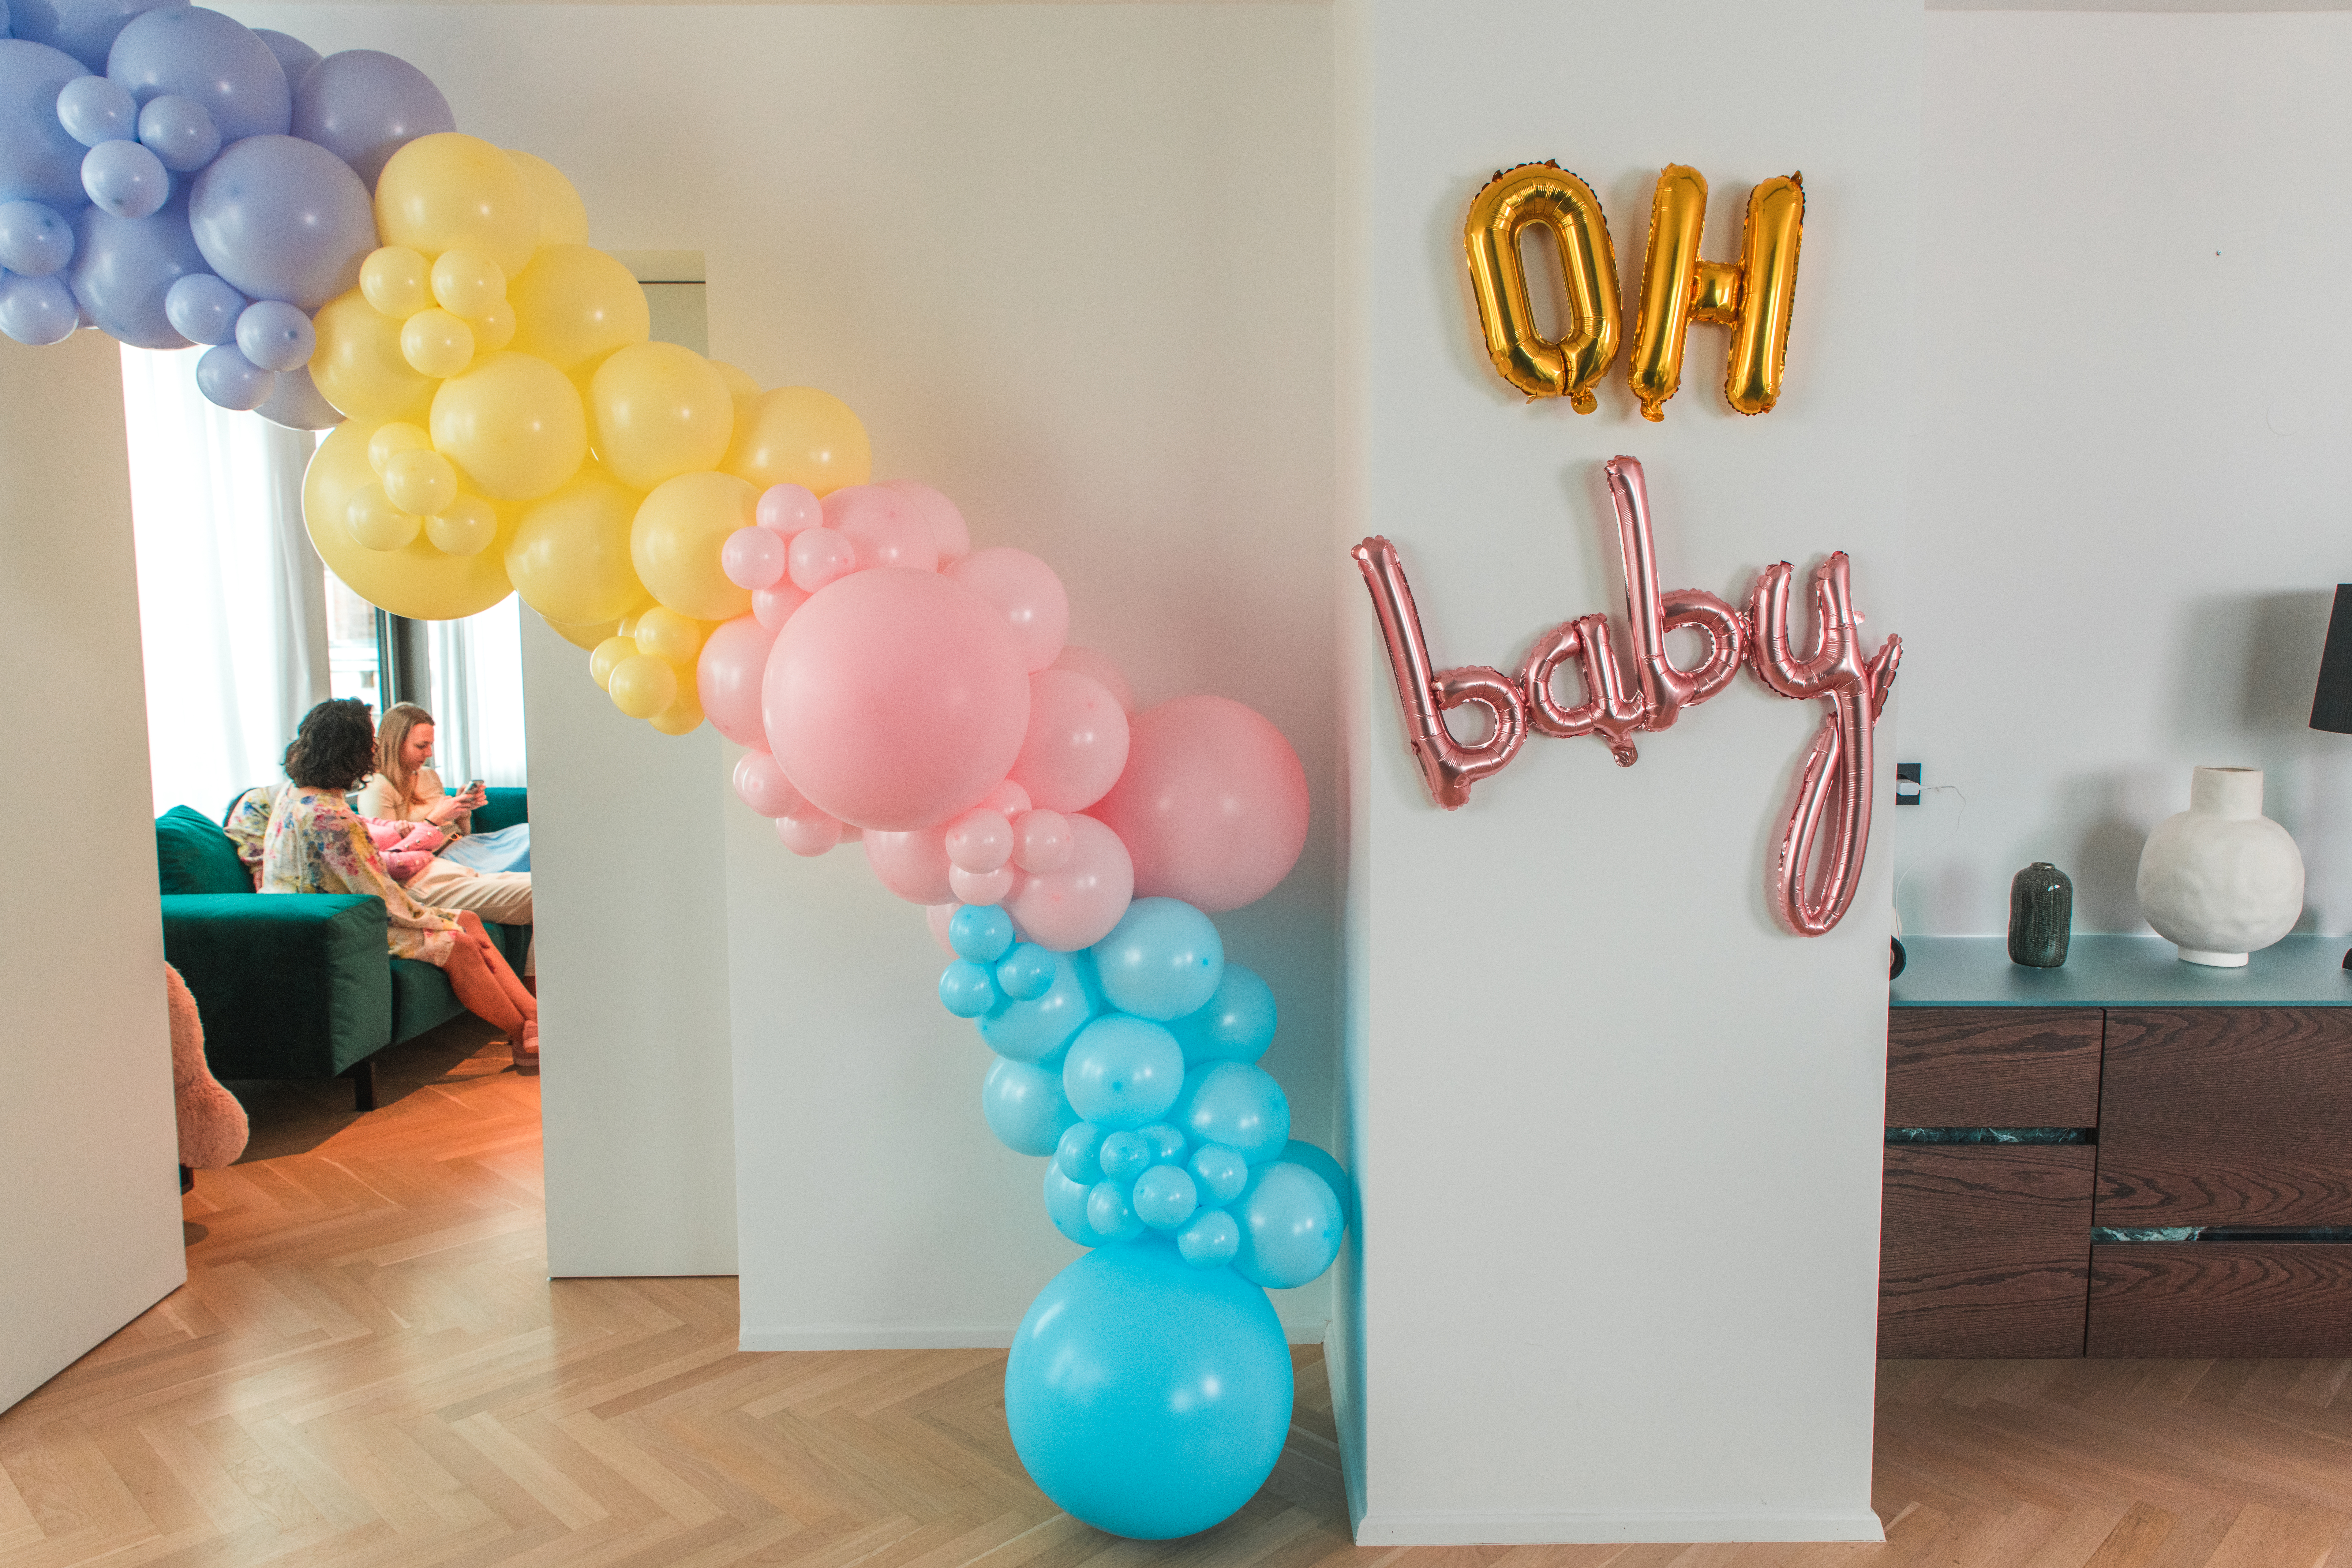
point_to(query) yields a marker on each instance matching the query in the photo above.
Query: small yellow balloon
(642, 685)
(418, 581)
(420, 480)
(740, 384)
(569, 557)
(800, 436)
(562, 216)
(658, 410)
(586, 637)
(467, 282)
(666, 634)
(574, 305)
(390, 440)
(676, 540)
(466, 525)
(358, 365)
(395, 281)
(607, 655)
(450, 192)
(494, 329)
(626, 627)
(437, 344)
(683, 716)
(376, 523)
(512, 423)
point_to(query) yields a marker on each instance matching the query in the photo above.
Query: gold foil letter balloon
(1544, 196)
(1751, 296)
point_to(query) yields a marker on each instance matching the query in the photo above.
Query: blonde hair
(391, 739)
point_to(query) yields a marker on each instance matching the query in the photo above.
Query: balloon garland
(499, 422)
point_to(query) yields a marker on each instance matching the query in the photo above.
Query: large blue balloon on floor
(1148, 1397)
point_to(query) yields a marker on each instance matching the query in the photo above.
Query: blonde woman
(405, 788)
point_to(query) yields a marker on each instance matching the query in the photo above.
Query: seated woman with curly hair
(315, 844)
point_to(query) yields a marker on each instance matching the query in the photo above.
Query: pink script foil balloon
(1077, 744)
(1213, 805)
(727, 677)
(1077, 906)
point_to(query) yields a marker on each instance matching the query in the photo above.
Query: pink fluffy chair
(212, 1123)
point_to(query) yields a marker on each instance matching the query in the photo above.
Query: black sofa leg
(187, 1179)
(363, 1077)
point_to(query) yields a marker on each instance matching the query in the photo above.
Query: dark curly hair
(334, 748)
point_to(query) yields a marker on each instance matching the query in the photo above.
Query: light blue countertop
(2119, 971)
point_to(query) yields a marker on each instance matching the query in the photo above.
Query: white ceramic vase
(2221, 879)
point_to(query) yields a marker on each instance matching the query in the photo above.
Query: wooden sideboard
(2157, 1096)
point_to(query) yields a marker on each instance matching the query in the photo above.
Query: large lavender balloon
(86, 29)
(191, 52)
(282, 219)
(363, 105)
(38, 162)
(123, 268)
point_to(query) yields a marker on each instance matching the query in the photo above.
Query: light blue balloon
(38, 311)
(1290, 1226)
(94, 110)
(1065, 1206)
(203, 310)
(295, 402)
(123, 268)
(1079, 1154)
(1123, 1156)
(980, 933)
(1110, 1212)
(1219, 1173)
(86, 29)
(4, 18)
(1209, 1238)
(1335, 1175)
(1148, 1399)
(295, 58)
(1026, 972)
(213, 58)
(1025, 1107)
(1123, 1071)
(1036, 1031)
(1237, 1105)
(179, 130)
(38, 162)
(274, 335)
(1236, 1025)
(1165, 1197)
(1161, 960)
(363, 105)
(282, 219)
(1167, 1143)
(965, 988)
(230, 379)
(35, 241)
(125, 179)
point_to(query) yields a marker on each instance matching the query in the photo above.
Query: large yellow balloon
(562, 216)
(574, 306)
(642, 686)
(569, 557)
(512, 423)
(416, 581)
(800, 436)
(358, 365)
(590, 637)
(674, 542)
(659, 411)
(450, 191)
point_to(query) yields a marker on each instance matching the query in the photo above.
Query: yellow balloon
(421, 482)
(626, 627)
(569, 557)
(468, 283)
(448, 191)
(512, 423)
(494, 329)
(396, 281)
(582, 636)
(683, 716)
(417, 581)
(658, 411)
(606, 656)
(358, 365)
(800, 436)
(377, 523)
(390, 440)
(740, 384)
(666, 634)
(574, 305)
(466, 525)
(642, 685)
(562, 217)
(437, 344)
(676, 538)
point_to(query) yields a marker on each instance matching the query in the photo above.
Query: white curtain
(477, 700)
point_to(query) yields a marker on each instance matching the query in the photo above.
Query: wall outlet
(1907, 784)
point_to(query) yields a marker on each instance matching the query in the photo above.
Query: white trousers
(501, 896)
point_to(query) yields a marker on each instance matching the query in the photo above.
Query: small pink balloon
(1077, 743)
(982, 887)
(883, 527)
(1007, 797)
(808, 831)
(1213, 805)
(819, 556)
(912, 864)
(727, 675)
(936, 916)
(771, 607)
(852, 833)
(947, 521)
(1041, 841)
(752, 558)
(1027, 593)
(980, 840)
(763, 786)
(1096, 666)
(788, 509)
(1077, 906)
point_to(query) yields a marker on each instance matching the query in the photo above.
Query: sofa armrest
(295, 986)
(504, 807)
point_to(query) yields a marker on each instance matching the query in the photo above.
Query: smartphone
(475, 788)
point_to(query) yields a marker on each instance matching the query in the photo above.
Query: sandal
(526, 1049)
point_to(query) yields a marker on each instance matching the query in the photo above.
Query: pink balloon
(808, 831)
(1028, 595)
(948, 526)
(788, 509)
(982, 887)
(912, 864)
(1213, 805)
(819, 556)
(1096, 665)
(763, 786)
(773, 607)
(752, 558)
(1077, 743)
(1007, 797)
(1041, 841)
(1077, 906)
(980, 840)
(896, 699)
(883, 527)
(726, 677)
(936, 916)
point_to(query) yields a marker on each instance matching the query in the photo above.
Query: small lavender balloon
(179, 130)
(125, 179)
(38, 311)
(230, 379)
(203, 310)
(94, 110)
(35, 241)
(295, 58)
(274, 335)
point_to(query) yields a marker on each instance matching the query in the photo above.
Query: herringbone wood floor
(367, 1368)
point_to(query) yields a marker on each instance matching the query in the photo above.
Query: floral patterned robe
(314, 845)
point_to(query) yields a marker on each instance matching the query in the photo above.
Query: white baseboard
(956, 1337)
(1565, 1529)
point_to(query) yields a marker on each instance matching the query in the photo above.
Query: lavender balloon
(125, 179)
(274, 335)
(38, 162)
(363, 105)
(86, 29)
(295, 58)
(294, 402)
(203, 310)
(227, 378)
(36, 310)
(282, 219)
(179, 131)
(124, 266)
(94, 110)
(35, 241)
(214, 60)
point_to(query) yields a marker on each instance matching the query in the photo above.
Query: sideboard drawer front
(2222, 1300)
(1984, 1251)
(2226, 1116)
(1993, 1067)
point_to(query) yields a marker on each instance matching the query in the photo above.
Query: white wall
(89, 1236)
(1617, 1135)
(2134, 439)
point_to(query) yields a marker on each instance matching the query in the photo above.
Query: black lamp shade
(2331, 705)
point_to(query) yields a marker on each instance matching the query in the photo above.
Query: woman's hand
(447, 809)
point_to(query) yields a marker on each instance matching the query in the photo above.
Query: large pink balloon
(1025, 590)
(1094, 666)
(1077, 744)
(883, 527)
(896, 699)
(1213, 805)
(728, 675)
(1077, 906)
(912, 864)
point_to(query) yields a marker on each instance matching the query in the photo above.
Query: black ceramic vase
(2041, 916)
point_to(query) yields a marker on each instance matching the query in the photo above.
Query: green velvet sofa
(299, 985)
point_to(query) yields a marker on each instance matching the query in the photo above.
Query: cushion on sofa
(194, 856)
(502, 807)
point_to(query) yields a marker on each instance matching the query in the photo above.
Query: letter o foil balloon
(363, 105)
(282, 219)
(1213, 805)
